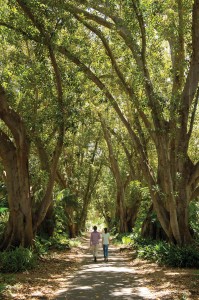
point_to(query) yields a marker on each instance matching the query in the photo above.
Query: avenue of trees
(99, 112)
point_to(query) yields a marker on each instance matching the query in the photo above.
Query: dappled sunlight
(74, 275)
(143, 293)
(107, 280)
(83, 287)
(172, 273)
(122, 291)
(120, 278)
(111, 269)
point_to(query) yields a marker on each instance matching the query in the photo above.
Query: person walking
(105, 243)
(94, 242)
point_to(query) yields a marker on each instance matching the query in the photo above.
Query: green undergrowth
(162, 252)
(21, 259)
(57, 242)
(17, 260)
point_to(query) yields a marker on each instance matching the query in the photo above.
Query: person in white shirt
(105, 243)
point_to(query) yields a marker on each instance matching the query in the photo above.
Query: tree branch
(101, 21)
(128, 39)
(129, 90)
(194, 174)
(34, 20)
(193, 115)
(12, 119)
(192, 79)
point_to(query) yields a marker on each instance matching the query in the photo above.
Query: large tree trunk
(19, 227)
(15, 160)
(72, 226)
(72, 230)
(47, 227)
(132, 214)
(120, 214)
(83, 216)
(151, 228)
(171, 201)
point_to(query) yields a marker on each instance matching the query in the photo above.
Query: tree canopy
(98, 89)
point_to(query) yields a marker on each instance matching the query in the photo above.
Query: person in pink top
(94, 242)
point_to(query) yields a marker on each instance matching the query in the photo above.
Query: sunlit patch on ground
(56, 276)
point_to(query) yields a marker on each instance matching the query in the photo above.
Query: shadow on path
(114, 279)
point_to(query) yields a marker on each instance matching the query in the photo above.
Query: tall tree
(170, 117)
(14, 155)
(150, 77)
(15, 137)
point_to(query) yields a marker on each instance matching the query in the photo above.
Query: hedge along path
(122, 277)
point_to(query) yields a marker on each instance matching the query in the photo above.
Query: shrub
(169, 255)
(17, 260)
(127, 240)
(41, 246)
(123, 238)
(184, 257)
(57, 241)
(162, 252)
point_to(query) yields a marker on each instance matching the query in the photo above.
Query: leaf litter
(55, 270)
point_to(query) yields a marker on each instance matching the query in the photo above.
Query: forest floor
(72, 274)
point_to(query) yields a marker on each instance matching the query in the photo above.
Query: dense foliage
(99, 120)
(17, 260)
(162, 252)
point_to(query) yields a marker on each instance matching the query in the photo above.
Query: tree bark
(175, 182)
(15, 160)
(120, 214)
(91, 182)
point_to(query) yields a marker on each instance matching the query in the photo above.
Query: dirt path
(120, 278)
(73, 275)
(105, 280)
